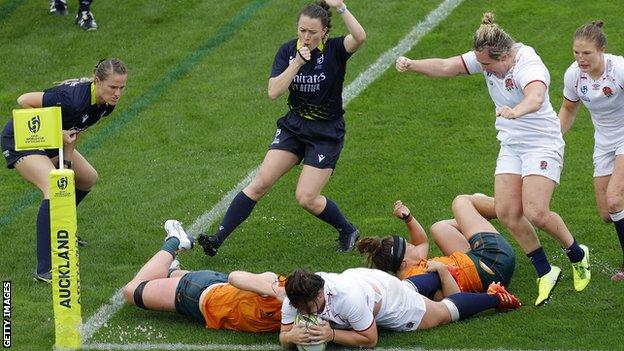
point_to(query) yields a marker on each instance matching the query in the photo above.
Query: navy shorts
(7, 142)
(317, 142)
(190, 289)
(493, 257)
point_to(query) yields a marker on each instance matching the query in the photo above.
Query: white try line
(252, 347)
(386, 60)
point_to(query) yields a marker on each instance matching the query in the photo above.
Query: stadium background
(195, 120)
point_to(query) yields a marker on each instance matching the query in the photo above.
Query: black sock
(237, 213)
(539, 261)
(80, 195)
(574, 252)
(426, 284)
(331, 214)
(85, 5)
(43, 238)
(619, 228)
(469, 304)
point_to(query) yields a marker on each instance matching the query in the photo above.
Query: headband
(397, 252)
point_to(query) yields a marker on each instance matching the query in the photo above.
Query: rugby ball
(307, 321)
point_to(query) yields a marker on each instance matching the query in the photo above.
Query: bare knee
(614, 202)
(306, 200)
(460, 201)
(87, 181)
(257, 188)
(437, 231)
(128, 291)
(510, 218)
(538, 217)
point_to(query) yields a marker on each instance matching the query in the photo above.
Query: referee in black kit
(83, 102)
(312, 68)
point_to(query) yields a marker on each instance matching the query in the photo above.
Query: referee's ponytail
(102, 70)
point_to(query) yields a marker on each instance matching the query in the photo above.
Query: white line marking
(253, 347)
(179, 346)
(350, 92)
(205, 220)
(102, 316)
(406, 44)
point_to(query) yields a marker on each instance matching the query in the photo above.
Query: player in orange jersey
(476, 254)
(239, 301)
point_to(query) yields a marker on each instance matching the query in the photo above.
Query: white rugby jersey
(603, 98)
(350, 299)
(539, 128)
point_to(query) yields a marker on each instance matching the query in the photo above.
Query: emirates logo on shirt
(509, 84)
(607, 91)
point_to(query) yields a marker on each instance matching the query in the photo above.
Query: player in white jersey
(358, 300)
(597, 79)
(531, 145)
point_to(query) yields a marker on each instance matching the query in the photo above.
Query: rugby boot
(346, 242)
(85, 20)
(508, 301)
(581, 272)
(174, 230)
(545, 285)
(58, 7)
(209, 243)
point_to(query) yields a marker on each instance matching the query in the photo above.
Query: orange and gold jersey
(227, 307)
(465, 274)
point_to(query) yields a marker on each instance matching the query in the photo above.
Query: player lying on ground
(241, 301)
(476, 254)
(358, 300)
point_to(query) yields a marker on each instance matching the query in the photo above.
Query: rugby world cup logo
(62, 183)
(34, 124)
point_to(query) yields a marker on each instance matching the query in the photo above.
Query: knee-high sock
(469, 304)
(43, 238)
(426, 284)
(237, 213)
(331, 214)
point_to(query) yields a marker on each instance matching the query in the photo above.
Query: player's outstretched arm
(432, 67)
(30, 100)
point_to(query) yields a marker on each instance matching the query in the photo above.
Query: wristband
(341, 9)
(407, 217)
(303, 58)
(67, 164)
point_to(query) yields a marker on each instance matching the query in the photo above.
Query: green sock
(171, 246)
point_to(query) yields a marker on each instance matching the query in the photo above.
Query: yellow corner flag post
(38, 128)
(41, 128)
(65, 274)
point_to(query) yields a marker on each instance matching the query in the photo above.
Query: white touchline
(93, 324)
(251, 347)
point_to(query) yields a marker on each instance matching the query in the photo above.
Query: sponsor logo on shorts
(85, 118)
(6, 153)
(276, 140)
(409, 325)
(321, 157)
(34, 124)
(543, 165)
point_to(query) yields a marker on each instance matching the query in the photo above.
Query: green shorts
(493, 257)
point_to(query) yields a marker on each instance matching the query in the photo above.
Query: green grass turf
(195, 119)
